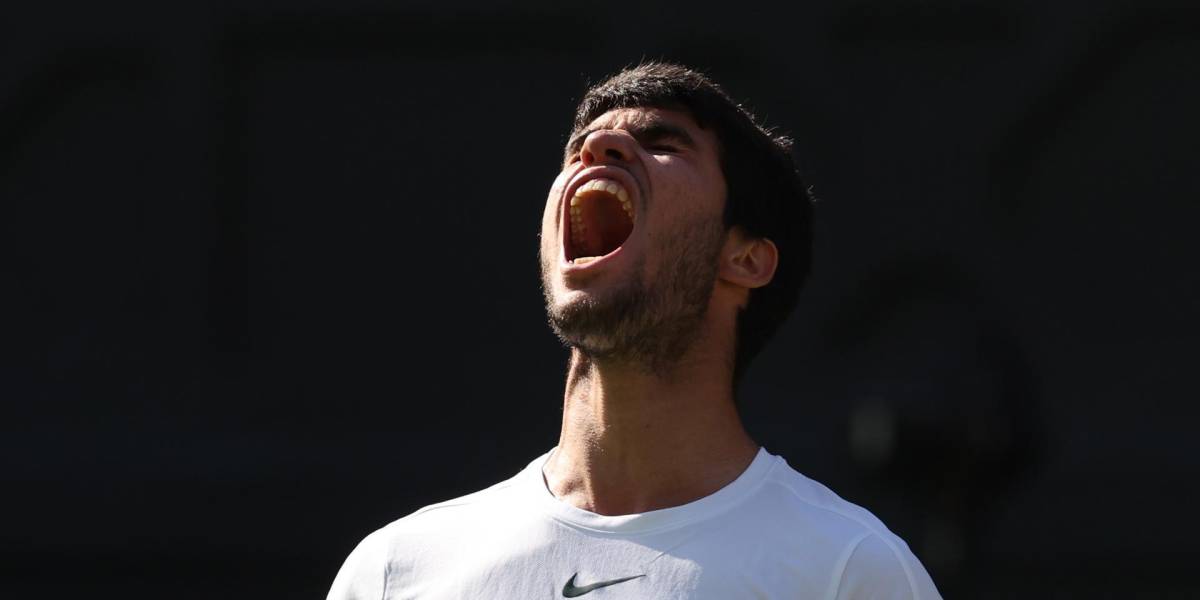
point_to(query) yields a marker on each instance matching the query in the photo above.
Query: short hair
(765, 193)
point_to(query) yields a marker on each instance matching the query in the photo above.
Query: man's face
(631, 234)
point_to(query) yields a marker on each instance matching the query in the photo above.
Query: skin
(636, 438)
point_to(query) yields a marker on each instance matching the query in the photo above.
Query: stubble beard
(648, 325)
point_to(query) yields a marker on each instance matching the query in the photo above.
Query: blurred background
(269, 277)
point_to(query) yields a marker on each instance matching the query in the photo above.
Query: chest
(692, 563)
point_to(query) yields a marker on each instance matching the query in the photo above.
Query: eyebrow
(653, 130)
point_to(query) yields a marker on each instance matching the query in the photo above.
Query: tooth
(575, 201)
(622, 195)
(612, 187)
(575, 209)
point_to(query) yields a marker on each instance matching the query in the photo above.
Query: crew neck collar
(534, 484)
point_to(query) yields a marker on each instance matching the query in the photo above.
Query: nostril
(614, 153)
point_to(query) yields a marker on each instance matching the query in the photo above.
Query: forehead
(638, 119)
(623, 118)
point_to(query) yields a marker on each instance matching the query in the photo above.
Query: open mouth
(601, 220)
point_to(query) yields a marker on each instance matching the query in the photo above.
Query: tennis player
(674, 243)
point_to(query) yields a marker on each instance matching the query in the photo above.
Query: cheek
(715, 192)
(550, 213)
(695, 192)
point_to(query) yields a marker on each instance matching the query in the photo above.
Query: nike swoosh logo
(570, 590)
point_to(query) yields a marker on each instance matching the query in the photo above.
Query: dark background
(269, 277)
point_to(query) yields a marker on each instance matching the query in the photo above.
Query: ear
(747, 261)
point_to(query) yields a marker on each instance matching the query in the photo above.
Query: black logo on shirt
(570, 590)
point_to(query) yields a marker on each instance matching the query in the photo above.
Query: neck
(634, 441)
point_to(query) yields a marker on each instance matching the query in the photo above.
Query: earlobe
(747, 261)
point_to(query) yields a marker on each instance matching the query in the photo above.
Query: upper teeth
(598, 185)
(605, 185)
(595, 185)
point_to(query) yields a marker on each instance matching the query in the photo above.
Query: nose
(605, 145)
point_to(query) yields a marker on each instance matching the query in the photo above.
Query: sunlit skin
(632, 439)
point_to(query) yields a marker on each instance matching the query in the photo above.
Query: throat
(630, 446)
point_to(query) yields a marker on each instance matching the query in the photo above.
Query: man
(673, 244)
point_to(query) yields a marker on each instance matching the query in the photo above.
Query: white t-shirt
(771, 533)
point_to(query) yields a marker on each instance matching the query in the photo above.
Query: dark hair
(765, 194)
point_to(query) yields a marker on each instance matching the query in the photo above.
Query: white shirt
(771, 533)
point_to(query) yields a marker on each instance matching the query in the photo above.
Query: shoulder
(803, 502)
(363, 573)
(366, 571)
(869, 560)
(878, 567)
(455, 510)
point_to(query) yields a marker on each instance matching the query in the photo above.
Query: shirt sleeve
(878, 570)
(363, 574)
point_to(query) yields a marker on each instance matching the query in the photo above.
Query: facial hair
(646, 324)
